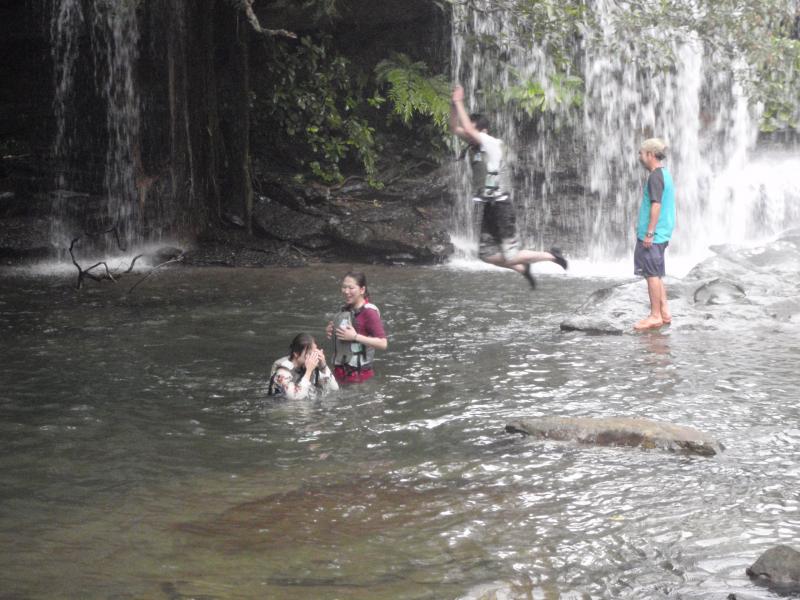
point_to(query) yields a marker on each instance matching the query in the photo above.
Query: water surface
(141, 458)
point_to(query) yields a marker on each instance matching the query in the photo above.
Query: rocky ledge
(737, 285)
(292, 224)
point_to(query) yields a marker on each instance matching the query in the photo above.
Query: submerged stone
(778, 568)
(591, 325)
(163, 254)
(719, 291)
(619, 431)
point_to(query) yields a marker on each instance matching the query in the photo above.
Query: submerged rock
(719, 291)
(163, 254)
(778, 568)
(591, 325)
(619, 431)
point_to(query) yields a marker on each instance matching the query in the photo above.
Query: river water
(141, 457)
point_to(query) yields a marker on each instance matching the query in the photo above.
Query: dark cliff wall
(26, 93)
(193, 153)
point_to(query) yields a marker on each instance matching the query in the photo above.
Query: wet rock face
(404, 222)
(778, 568)
(276, 220)
(620, 431)
(736, 287)
(24, 239)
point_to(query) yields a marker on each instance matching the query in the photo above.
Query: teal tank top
(666, 218)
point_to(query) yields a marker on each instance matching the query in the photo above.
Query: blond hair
(656, 146)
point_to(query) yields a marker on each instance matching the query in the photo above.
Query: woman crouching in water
(303, 373)
(358, 332)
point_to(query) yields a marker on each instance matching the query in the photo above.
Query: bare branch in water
(96, 277)
(108, 274)
(177, 259)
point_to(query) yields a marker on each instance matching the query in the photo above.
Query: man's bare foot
(666, 318)
(650, 322)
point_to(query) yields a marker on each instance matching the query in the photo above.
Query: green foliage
(757, 38)
(775, 83)
(413, 91)
(772, 78)
(552, 29)
(554, 25)
(532, 97)
(306, 111)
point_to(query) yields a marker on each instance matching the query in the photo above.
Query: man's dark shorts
(649, 262)
(498, 228)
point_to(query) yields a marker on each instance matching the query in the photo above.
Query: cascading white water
(629, 97)
(724, 194)
(694, 105)
(116, 41)
(67, 21)
(113, 32)
(475, 67)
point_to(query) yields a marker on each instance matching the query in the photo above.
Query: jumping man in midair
(499, 239)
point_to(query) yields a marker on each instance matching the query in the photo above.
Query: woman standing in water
(358, 332)
(303, 372)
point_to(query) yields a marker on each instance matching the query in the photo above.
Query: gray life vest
(281, 363)
(485, 183)
(297, 374)
(351, 354)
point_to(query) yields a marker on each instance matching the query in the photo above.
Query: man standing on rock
(499, 241)
(653, 231)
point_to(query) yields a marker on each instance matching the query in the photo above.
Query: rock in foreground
(779, 568)
(619, 431)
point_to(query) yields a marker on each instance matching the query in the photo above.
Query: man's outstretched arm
(460, 123)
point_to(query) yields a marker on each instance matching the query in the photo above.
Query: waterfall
(67, 21)
(576, 173)
(112, 31)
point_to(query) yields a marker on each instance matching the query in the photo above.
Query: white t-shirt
(493, 150)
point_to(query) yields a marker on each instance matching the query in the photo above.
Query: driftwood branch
(107, 272)
(177, 259)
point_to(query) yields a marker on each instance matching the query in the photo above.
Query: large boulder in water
(778, 568)
(619, 431)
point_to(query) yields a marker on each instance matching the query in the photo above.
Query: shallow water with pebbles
(141, 458)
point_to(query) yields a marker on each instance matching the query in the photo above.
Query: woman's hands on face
(312, 359)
